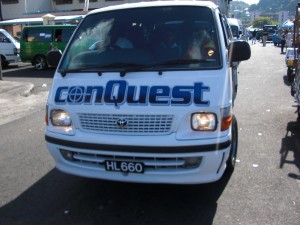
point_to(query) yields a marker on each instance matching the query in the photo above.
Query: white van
(144, 92)
(9, 48)
(235, 28)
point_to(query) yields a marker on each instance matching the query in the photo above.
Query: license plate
(124, 166)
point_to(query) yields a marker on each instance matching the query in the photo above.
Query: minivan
(235, 28)
(144, 93)
(9, 48)
(36, 41)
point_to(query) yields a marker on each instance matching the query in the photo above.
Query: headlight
(60, 118)
(203, 121)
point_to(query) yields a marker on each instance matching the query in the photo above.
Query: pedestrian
(265, 37)
(289, 39)
(283, 40)
(254, 36)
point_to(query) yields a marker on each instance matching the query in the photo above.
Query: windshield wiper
(162, 64)
(184, 62)
(124, 68)
(99, 69)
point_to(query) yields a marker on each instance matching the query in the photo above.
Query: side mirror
(53, 57)
(239, 51)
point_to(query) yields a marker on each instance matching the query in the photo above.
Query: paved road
(23, 91)
(264, 189)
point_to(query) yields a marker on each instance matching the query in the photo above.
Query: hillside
(274, 6)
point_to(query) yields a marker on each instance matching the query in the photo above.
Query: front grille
(126, 123)
(152, 164)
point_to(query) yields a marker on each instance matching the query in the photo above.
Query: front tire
(4, 62)
(40, 62)
(230, 164)
(289, 74)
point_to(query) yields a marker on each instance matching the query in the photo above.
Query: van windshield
(176, 37)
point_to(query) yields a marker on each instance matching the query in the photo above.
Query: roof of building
(39, 20)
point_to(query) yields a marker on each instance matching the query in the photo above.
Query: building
(280, 17)
(18, 13)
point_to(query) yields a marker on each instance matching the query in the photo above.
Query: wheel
(40, 62)
(4, 62)
(234, 145)
(289, 74)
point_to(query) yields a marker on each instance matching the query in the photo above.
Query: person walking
(265, 37)
(289, 39)
(254, 36)
(283, 40)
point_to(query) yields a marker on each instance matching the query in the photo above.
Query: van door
(8, 49)
(36, 42)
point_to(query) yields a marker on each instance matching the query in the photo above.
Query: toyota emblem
(122, 123)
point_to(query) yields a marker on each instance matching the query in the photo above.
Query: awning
(287, 24)
(39, 21)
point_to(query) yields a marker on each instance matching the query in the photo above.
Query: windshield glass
(145, 38)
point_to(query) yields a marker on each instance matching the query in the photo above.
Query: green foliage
(274, 6)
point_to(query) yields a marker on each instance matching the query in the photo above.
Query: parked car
(9, 48)
(276, 39)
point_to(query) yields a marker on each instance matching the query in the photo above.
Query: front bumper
(170, 165)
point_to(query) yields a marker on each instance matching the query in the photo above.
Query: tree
(259, 22)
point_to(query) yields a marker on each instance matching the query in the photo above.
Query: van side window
(33, 35)
(63, 35)
(226, 30)
(4, 39)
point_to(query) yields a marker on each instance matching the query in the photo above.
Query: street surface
(12, 105)
(263, 190)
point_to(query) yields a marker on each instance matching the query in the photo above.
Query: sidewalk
(13, 89)
(18, 100)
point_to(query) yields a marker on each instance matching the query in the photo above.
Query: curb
(11, 88)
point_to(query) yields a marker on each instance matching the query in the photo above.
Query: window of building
(10, 1)
(82, 1)
(61, 2)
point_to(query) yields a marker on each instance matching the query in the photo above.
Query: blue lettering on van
(118, 92)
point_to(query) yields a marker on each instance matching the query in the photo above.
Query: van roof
(233, 21)
(154, 4)
(48, 26)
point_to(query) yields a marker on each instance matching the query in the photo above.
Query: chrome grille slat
(157, 164)
(88, 158)
(137, 124)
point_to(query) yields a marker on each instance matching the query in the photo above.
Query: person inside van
(118, 37)
(114, 38)
(165, 46)
(58, 38)
(201, 46)
(167, 40)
